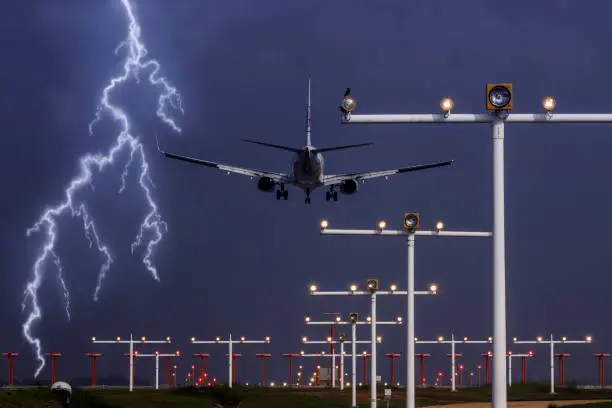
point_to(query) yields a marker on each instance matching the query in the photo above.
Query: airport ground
(520, 396)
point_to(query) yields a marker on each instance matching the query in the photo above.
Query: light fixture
(563, 338)
(348, 103)
(324, 224)
(329, 339)
(369, 319)
(372, 285)
(499, 96)
(399, 319)
(379, 339)
(393, 287)
(353, 317)
(218, 339)
(304, 339)
(143, 338)
(118, 338)
(539, 339)
(338, 318)
(93, 339)
(242, 338)
(549, 104)
(194, 339)
(439, 226)
(313, 288)
(307, 318)
(382, 225)
(433, 288)
(353, 287)
(490, 339)
(447, 105)
(440, 338)
(411, 221)
(589, 339)
(465, 339)
(515, 339)
(268, 339)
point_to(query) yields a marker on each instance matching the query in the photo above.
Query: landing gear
(307, 200)
(282, 193)
(331, 194)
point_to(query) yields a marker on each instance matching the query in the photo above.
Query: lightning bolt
(152, 227)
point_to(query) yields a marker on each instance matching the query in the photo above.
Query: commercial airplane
(307, 169)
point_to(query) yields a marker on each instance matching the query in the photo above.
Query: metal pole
(373, 363)
(510, 370)
(354, 364)
(157, 372)
(453, 369)
(131, 362)
(342, 366)
(500, 397)
(231, 377)
(410, 315)
(333, 371)
(552, 365)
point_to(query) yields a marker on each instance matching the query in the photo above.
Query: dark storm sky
(236, 259)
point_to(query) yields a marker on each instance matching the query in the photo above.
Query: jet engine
(348, 186)
(266, 184)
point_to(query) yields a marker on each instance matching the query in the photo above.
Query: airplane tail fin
(329, 149)
(291, 149)
(308, 117)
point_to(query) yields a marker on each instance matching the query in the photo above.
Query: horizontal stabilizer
(291, 149)
(329, 149)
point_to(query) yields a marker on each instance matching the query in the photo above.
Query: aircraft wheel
(278, 194)
(327, 196)
(335, 194)
(286, 194)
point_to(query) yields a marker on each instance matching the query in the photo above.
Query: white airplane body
(307, 169)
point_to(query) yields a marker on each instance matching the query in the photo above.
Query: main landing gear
(282, 193)
(331, 194)
(307, 200)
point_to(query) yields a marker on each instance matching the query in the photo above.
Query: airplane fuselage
(307, 168)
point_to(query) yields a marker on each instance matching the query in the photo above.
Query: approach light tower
(411, 230)
(354, 321)
(11, 367)
(230, 344)
(551, 342)
(372, 291)
(131, 342)
(452, 354)
(498, 102)
(94, 357)
(53, 356)
(157, 355)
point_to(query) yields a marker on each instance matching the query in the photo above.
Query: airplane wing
(339, 178)
(277, 177)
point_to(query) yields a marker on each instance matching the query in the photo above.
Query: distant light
(307, 318)
(382, 225)
(118, 338)
(399, 319)
(324, 224)
(465, 339)
(447, 104)
(589, 339)
(515, 339)
(563, 338)
(218, 339)
(143, 338)
(304, 339)
(338, 318)
(490, 339)
(439, 226)
(393, 287)
(267, 338)
(193, 339)
(313, 288)
(539, 339)
(549, 104)
(93, 339)
(440, 338)
(168, 339)
(353, 287)
(433, 288)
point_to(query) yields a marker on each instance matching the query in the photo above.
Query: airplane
(307, 168)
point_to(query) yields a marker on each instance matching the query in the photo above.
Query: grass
(281, 397)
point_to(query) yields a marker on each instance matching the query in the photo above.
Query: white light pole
(552, 342)
(157, 356)
(411, 229)
(453, 342)
(353, 321)
(510, 356)
(499, 103)
(342, 354)
(131, 341)
(230, 343)
(372, 291)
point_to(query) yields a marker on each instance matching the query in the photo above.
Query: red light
(214, 379)
(157, 352)
(440, 374)
(530, 353)
(461, 367)
(178, 352)
(189, 375)
(192, 366)
(209, 384)
(479, 366)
